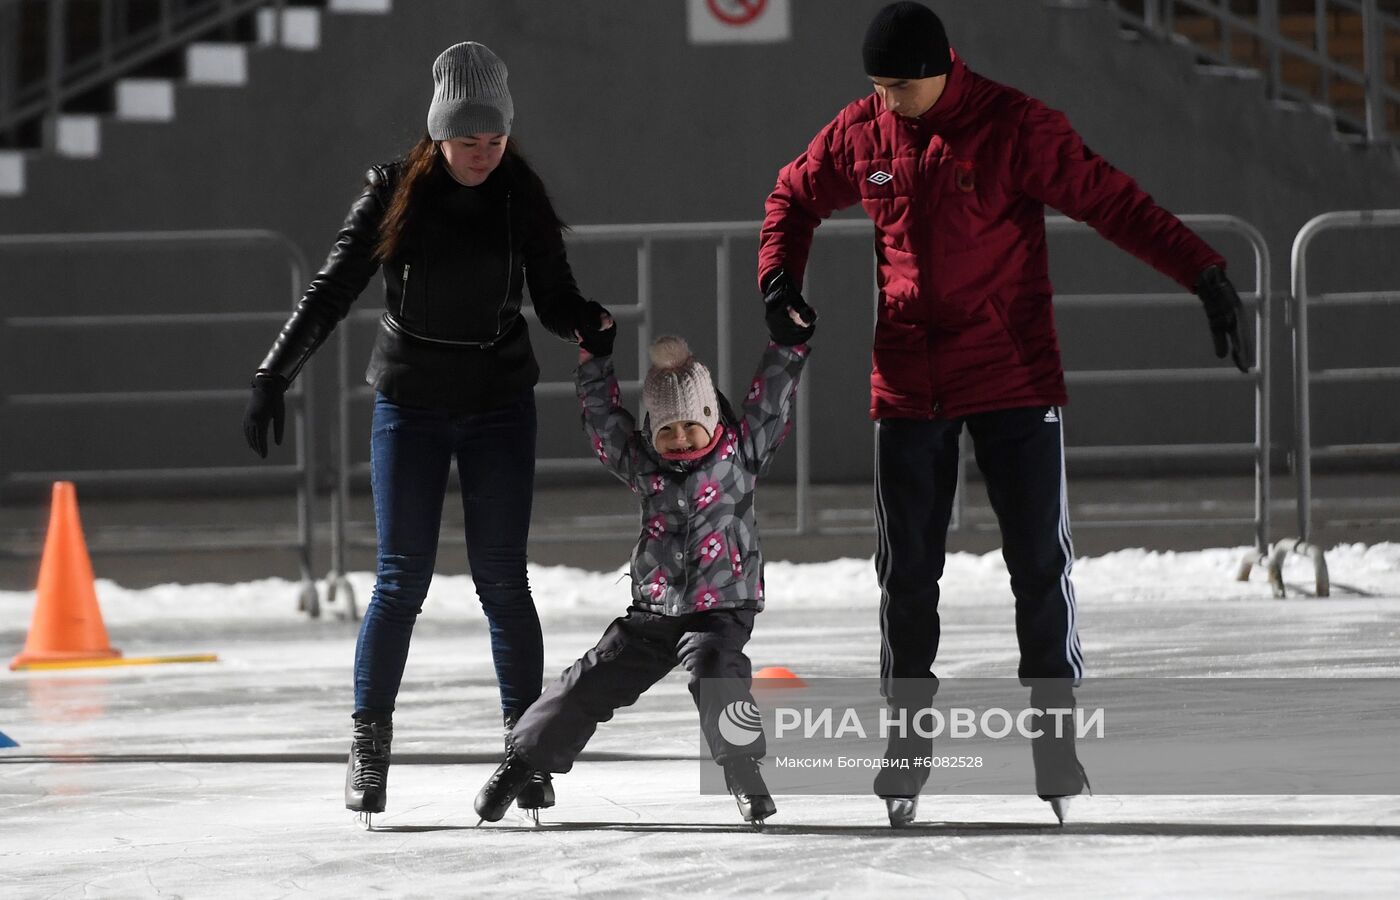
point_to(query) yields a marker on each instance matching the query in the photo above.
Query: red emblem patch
(963, 176)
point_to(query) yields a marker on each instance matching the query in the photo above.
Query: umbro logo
(879, 177)
(1051, 415)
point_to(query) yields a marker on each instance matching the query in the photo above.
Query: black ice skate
(367, 772)
(537, 795)
(539, 792)
(742, 777)
(504, 785)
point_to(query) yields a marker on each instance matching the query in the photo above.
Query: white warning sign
(738, 21)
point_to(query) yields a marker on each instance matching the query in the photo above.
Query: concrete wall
(629, 123)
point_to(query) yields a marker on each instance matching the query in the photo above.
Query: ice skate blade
(366, 819)
(1060, 806)
(758, 824)
(901, 810)
(534, 816)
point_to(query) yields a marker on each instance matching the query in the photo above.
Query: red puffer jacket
(958, 199)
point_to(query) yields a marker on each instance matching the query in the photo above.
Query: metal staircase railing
(53, 52)
(1340, 54)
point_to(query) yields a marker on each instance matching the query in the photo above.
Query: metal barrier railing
(351, 390)
(300, 398)
(1378, 30)
(645, 236)
(79, 47)
(722, 234)
(1305, 375)
(1258, 377)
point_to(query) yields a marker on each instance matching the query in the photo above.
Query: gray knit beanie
(469, 93)
(678, 388)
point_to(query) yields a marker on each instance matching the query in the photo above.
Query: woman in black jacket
(459, 227)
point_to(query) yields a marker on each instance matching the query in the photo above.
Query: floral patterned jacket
(699, 548)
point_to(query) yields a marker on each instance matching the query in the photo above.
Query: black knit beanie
(906, 40)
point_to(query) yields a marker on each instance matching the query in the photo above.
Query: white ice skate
(901, 810)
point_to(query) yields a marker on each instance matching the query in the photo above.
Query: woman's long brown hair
(418, 165)
(421, 164)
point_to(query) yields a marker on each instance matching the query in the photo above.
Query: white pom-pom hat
(678, 387)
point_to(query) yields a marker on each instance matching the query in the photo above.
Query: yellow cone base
(30, 658)
(111, 661)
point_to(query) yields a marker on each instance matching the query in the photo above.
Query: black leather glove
(592, 336)
(264, 406)
(1225, 312)
(780, 296)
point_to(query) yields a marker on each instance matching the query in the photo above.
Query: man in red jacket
(956, 170)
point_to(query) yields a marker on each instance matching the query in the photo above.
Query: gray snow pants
(637, 651)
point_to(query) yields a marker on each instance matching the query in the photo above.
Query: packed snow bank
(1121, 577)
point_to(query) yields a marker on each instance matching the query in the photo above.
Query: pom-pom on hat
(678, 387)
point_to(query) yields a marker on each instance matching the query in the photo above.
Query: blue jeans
(411, 451)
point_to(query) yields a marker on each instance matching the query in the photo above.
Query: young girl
(459, 228)
(697, 572)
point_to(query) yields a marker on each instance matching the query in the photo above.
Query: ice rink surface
(224, 779)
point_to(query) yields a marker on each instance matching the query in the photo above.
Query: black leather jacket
(452, 335)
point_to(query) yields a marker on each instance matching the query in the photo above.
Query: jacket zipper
(689, 510)
(929, 181)
(510, 269)
(510, 264)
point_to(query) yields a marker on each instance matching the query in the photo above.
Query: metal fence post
(644, 299)
(105, 16)
(9, 54)
(1152, 15)
(724, 325)
(303, 421)
(803, 486)
(337, 585)
(1320, 39)
(1269, 28)
(1302, 391)
(309, 601)
(1304, 375)
(803, 482)
(278, 13)
(1263, 421)
(1374, 53)
(54, 60)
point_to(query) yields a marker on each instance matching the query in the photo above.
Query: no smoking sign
(738, 21)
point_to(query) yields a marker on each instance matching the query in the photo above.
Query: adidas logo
(1051, 415)
(879, 177)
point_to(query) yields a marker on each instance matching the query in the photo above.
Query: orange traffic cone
(777, 677)
(67, 625)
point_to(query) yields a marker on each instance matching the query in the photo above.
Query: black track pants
(1021, 455)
